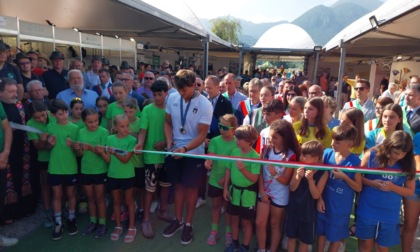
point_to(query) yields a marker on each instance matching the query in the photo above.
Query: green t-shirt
(104, 122)
(79, 123)
(114, 109)
(220, 147)
(2, 117)
(116, 168)
(62, 157)
(93, 163)
(153, 120)
(43, 155)
(134, 130)
(248, 198)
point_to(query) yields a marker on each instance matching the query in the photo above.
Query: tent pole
(340, 76)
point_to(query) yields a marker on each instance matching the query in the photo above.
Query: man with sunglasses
(23, 62)
(362, 101)
(148, 80)
(199, 86)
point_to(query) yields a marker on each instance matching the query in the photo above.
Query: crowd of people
(92, 137)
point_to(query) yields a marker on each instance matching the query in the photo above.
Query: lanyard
(184, 116)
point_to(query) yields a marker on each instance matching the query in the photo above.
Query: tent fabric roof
(396, 32)
(145, 21)
(274, 38)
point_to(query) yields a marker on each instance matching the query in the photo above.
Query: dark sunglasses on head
(149, 78)
(224, 128)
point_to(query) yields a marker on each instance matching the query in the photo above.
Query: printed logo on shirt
(195, 110)
(175, 105)
(11, 75)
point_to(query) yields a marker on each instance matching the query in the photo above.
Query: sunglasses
(149, 78)
(198, 84)
(224, 128)
(359, 88)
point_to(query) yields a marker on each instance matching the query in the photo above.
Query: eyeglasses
(224, 128)
(37, 90)
(149, 78)
(360, 88)
(379, 108)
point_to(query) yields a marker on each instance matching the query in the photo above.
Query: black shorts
(272, 203)
(156, 173)
(302, 230)
(95, 179)
(42, 166)
(214, 192)
(120, 184)
(185, 171)
(140, 177)
(246, 213)
(60, 179)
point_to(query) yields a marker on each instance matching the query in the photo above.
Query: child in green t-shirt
(121, 174)
(102, 106)
(240, 187)
(39, 120)
(62, 168)
(130, 107)
(151, 138)
(220, 145)
(76, 108)
(93, 170)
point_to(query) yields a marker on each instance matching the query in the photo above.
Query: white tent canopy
(396, 34)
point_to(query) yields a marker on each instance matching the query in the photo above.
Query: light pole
(317, 49)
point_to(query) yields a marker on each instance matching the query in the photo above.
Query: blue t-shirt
(378, 205)
(333, 123)
(338, 195)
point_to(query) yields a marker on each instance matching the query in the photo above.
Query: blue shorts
(301, 230)
(333, 232)
(61, 179)
(385, 234)
(185, 171)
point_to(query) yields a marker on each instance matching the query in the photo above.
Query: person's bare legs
(411, 220)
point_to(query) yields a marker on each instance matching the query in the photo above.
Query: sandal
(131, 234)
(116, 234)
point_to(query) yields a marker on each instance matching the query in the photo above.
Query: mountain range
(321, 22)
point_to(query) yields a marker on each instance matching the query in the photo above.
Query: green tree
(226, 28)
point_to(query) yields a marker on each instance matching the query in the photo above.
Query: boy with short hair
(305, 188)
(241, 186)
(62, 169)
(151, 138)
(335, 205)
(272, 111)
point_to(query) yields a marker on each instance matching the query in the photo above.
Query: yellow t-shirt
(326, 141)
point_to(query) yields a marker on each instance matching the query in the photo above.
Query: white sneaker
(200, 202)
(7, 241)
(284, 243)
(154, 206)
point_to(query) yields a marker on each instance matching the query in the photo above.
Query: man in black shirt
(56, 78)
(8, 70)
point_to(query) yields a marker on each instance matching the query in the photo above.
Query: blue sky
(260, 11)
